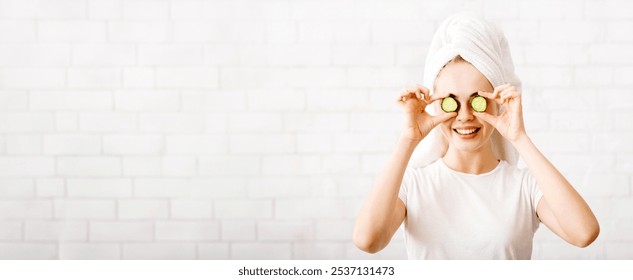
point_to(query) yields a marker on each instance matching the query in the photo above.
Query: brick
(24, 144)
(108, 122)
(34, 9)
(71, 31)
(308, 208)
(196, 144)
(146, 101)
(87, 251)
(354, 186)
(546, 76)
(104, 9)
(243, 209)
(99, 188)
(169, 54)
(229, 165)
(71, 100)
(138, 77)
(255, 122)
(253, 77)
(179, 166)
(142, 209)
(233, 31)
(28, 251)
(161, 187)
(337, 100)
(159, 251)
(35, 55)
(402, 32)
(372, 164)
(145, 10)
(121, 231)
(569, 121)
(313, 31)
(95, 78)
(600, 9)
(553, 54)
(14, 188)
(601, 184)
(619, 31)
(187, 77)
(316, 122)
(571, 32)
(130, 144)
(499, 9)
(171, 122)
(357, 142)
(217, 187)
(285, 231)
(268, 143)
(139, 31)
(213, 251)
(621, 74)
(142, 166)
(261, 251)
(365, 77)
(550, 10)
(22, 78)
(292, 165)
(213, 100)
(18, 30)
(66, 121)
(327, 10)
(305, 77)
(352, 32)
(85, 209)
(238, 230)
(341, 164)
(363, 55)
(27, 166)
(191, 209)
(55, 231)
(247, 10)
(10, 230)
(215, 122)
(103, 54)
(72, 144)
(593, 76)
(49, 187)
(14, 101)
(279, 187)
(324, 230)
(104, 166)
(376, 122)
(314, 143)
(610, 54)
(187, 231)
(612, 142)
(187, 10)
(275, 100)
(318, 251)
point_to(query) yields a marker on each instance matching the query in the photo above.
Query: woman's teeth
(466, 131)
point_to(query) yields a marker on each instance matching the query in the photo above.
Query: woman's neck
(472, 162)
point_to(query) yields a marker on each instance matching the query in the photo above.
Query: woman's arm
(561, 209)
(383, 212)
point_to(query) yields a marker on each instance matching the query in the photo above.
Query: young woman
(469, 201)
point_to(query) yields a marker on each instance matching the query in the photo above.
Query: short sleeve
(533, 189)
(407, 182)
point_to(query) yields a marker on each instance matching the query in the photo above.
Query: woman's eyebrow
(474, 94)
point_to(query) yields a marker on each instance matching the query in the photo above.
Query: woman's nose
(465, 113)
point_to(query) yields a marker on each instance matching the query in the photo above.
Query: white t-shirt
(454, 215)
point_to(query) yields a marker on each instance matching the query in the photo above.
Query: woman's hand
(510, 122)
(418, 123)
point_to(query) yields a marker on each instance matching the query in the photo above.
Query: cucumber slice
(449, 104)
(479, 103)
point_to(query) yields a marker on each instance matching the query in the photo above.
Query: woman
(468, 200)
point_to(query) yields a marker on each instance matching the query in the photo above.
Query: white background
(189, 129)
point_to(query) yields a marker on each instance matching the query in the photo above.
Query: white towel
(483, 44)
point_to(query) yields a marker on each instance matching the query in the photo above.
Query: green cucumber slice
(449, 104)
(479, 103)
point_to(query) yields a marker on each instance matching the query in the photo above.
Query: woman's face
(462, 80)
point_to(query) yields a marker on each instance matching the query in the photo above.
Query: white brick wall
(216, 129)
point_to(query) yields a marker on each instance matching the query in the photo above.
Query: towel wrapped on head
(483, 45)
